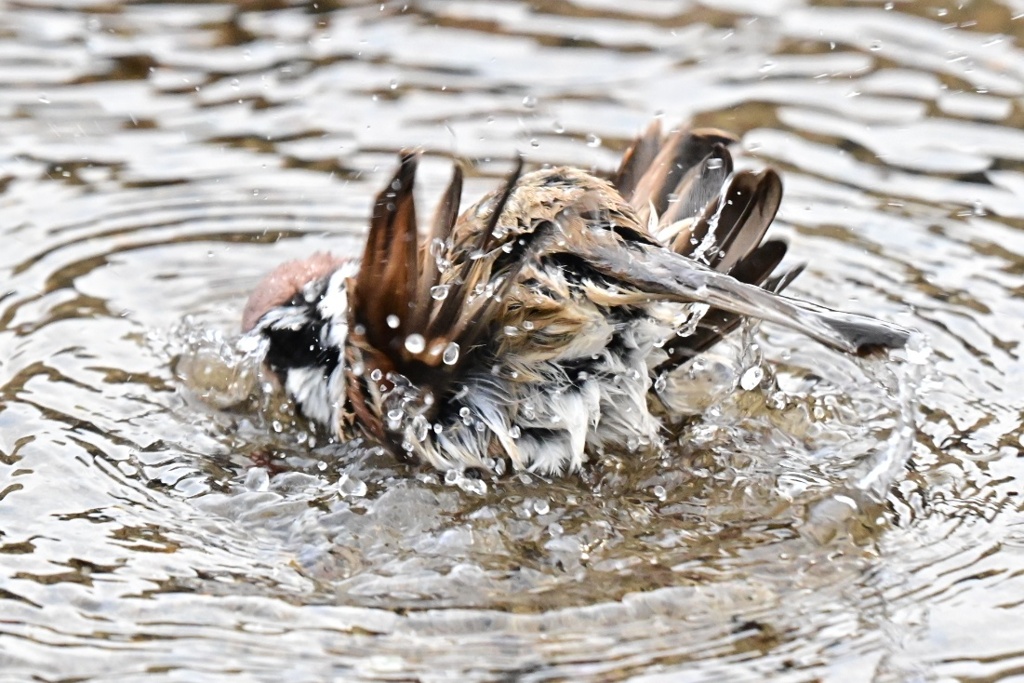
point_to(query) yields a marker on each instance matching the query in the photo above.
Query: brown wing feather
(396, 278)
(681, 151)
(700, 185)
(388, 267)
(637, 159)
(440, 230)
(689, 175)
(751, 204)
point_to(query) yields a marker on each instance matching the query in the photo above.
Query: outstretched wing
(404, 324)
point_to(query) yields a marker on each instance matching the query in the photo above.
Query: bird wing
(401, 323)
(660, 273)
(706, 212)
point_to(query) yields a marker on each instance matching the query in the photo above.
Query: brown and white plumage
(528, 330)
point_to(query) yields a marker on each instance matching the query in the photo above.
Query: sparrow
(530, 332)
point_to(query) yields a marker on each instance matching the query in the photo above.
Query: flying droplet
(529, 101)
(451, 354)
(415, 343)
(593, 140)
(350, 486)
(751, 379)
(421, 427)
(394, 321)
(439, 292)
(257, 479)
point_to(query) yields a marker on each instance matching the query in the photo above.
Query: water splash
(220, 371)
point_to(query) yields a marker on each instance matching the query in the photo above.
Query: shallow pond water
(835, 520)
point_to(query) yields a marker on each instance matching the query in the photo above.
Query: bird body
(530, 332)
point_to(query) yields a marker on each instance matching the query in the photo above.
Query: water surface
(837, 520)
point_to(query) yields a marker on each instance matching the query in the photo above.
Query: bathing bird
(534, 330)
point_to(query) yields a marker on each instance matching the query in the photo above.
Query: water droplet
(541, 507)
(875, 45)
(393, 84)
(558, 127)
(534, 142)
(376, 375)
(421, 427)
(43, 99)
(249, 344)
(415, 343)
(393, 321)
(661, 382)
(257, 479)
(529, 101)
(659, 492)
(350, 486)
(751, 379)
(593, 140)
(439, 292)
(451, 354)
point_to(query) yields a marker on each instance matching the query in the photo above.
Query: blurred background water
(156, 159)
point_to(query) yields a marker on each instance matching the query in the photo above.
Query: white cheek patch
(284, 318)
(333, 307)
(309, 389)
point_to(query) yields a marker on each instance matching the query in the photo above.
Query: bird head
(300, 311)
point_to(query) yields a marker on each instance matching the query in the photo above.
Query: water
(162, 520)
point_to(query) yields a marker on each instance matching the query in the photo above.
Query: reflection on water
(158, 159)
